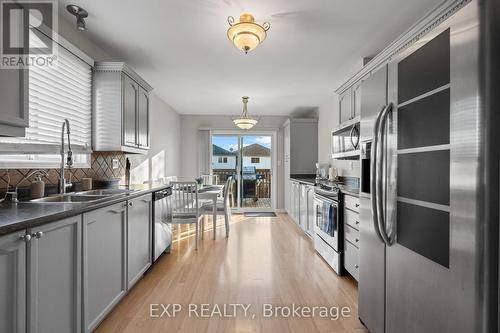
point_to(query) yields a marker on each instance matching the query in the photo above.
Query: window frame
(254, 159)
(32, 155)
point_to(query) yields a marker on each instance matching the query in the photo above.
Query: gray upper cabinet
(350, 104)
(345, 106)
(138, 237)
(130, 93)
(300, 150)
(121, 109)
(356, 100)
(12, 284)
(143, 118)
(104, 262)
(54, 279)
(14, 106)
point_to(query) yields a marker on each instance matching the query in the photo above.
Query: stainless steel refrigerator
(422, 185)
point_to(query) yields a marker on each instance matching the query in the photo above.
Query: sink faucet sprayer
(69, 159)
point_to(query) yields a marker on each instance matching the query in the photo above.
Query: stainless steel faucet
(69, 160)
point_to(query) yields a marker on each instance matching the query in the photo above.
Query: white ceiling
(180, 47)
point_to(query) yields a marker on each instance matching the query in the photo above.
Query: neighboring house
(222, 158)
(257, 155)
(253, 155)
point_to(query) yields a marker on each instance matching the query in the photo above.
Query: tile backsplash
(101, 168)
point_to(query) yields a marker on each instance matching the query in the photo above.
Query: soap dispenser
(37, 187)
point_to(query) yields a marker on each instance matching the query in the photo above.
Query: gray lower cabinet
(54, 277)
(138, 238)
(12, 284)
(351, 235)
(104, 262)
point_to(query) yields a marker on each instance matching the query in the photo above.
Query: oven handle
(374, 164)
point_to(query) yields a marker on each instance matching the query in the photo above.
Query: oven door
(327, 221)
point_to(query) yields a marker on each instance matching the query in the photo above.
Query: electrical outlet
(115, 163)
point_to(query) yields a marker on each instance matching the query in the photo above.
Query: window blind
(56, 93)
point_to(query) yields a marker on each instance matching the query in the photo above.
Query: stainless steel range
(328, 232)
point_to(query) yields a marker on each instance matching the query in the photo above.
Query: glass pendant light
(245, 122)
(246, 35)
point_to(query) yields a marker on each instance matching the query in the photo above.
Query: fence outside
(262, 184)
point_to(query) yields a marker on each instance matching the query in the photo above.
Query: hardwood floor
(264, 261)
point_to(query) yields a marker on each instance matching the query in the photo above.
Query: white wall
(189, 128)
(162, 159)
(329, 119)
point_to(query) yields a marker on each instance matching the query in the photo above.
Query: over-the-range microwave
(345, 142)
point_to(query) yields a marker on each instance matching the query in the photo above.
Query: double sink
(81, 197)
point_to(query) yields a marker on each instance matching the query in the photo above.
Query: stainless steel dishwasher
(162, 213)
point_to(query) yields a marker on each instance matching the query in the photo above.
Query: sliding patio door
(249, 159)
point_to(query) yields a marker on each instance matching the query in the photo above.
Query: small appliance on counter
(332, 174)
(322, 170)
(37, 187)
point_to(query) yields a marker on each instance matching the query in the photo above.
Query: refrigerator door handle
(381, 216)
(373, 174)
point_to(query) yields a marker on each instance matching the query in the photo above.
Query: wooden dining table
(211, 192)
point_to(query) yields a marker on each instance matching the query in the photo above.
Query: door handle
(25, 238)
(373, 174)
(354, 129)
(381, 216)
(38, 234)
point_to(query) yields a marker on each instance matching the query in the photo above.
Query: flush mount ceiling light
(245, 122)
(246, 35)
(80, 14)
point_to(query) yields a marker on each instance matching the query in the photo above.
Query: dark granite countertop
(15, 217)
(350, 191)
(306, 179)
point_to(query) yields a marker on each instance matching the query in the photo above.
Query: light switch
(115, 163)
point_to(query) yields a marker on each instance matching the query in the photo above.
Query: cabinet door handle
(144, 200)
(356, 266)
(357, 205)
(114, 211)
(130, 204)
(357, 240)
(38, 234)
(25, 238)
(357, 222)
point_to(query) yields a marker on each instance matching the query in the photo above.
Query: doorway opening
(249, 158)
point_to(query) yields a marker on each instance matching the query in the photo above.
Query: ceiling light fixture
(245, 122)
(80, 14)
(246, 35)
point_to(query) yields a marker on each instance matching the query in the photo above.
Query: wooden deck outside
(260, 203)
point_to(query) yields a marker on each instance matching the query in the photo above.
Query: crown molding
(109, 66)
(426, 24)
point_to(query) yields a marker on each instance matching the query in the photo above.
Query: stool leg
(203, 227)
